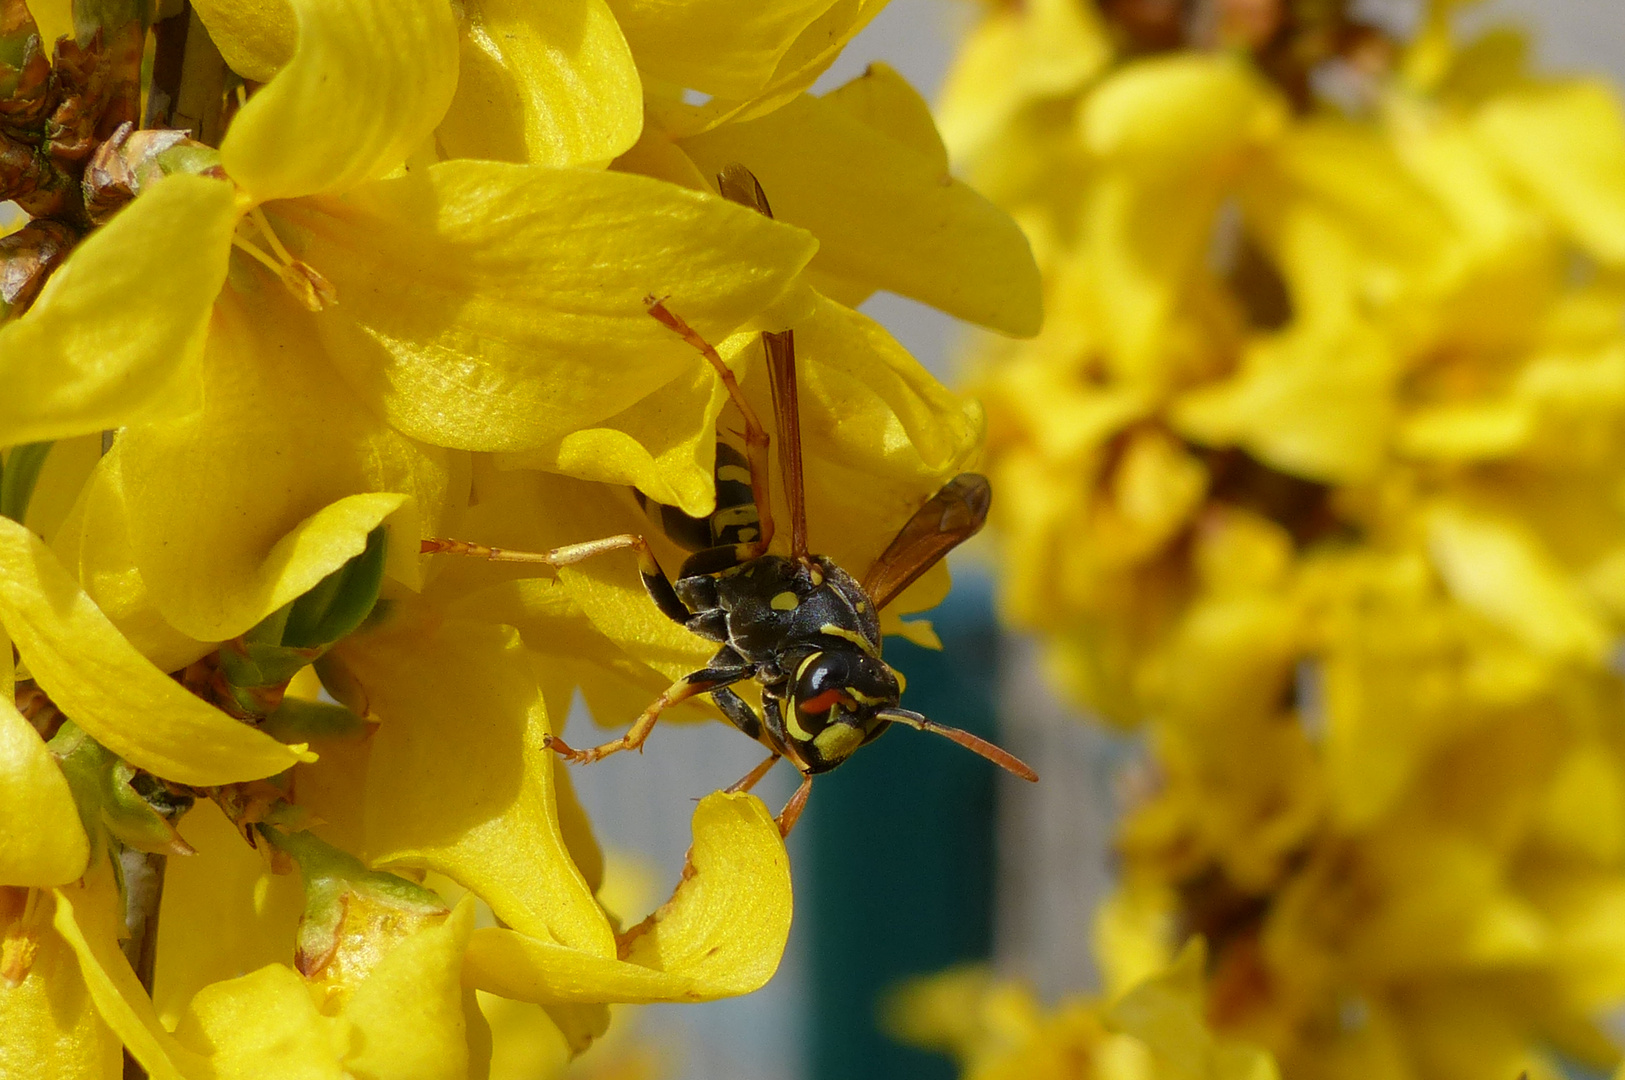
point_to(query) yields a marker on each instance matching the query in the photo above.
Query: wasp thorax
(834, 706)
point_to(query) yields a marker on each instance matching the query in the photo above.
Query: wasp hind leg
(655, 582)
(704, 681)
(756, 438)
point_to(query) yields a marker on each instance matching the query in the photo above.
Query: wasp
(799, 625)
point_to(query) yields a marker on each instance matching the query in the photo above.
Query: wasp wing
(738, 184)
(952, 516)
(781, 367)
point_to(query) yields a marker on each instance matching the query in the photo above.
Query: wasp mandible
(799, 625)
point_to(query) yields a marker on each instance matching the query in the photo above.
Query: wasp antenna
(976, 745)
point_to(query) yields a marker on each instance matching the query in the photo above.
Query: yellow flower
(1312, 472)
(997, 1030)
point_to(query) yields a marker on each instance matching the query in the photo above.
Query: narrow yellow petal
(886, 213)
(551, 84)
(49, 1026)
(117, 331)
(256, 38)
(728, 48)
(244, 505)
(501, 307)
(408, 1013)
(42, 841)
(479, 807)
(367, 84)
(92, 674)
(721, 934)
(118, 994)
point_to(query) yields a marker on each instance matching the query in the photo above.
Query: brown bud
(27, 258)
(122, 164)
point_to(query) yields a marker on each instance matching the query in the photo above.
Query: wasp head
(834, 705)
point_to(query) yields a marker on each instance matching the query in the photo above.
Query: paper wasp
(801, 626)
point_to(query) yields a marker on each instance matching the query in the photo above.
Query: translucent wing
(738, 184)
(952, 516)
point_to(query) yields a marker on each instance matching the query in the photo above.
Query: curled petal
(551, 84)
(367, 84)
(721, 934)
(94, 675)
(478, 807)
(117, 331)
(244, 505)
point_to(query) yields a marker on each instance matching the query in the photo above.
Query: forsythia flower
(1154, 1031)
(275, 791)
(1315, 473)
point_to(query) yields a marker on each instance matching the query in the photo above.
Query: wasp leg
(654, 578)
(756, 439)
(699, 682)
(748, 781)
(792, 810)
(738, 712)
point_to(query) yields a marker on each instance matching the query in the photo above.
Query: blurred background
(916, 855)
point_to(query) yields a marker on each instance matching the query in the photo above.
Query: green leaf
(22, 468)
(341, 601)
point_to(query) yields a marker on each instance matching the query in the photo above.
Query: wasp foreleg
(792, 810)
(738, 712)
(654, 578)
(699, 682)
(748, 781)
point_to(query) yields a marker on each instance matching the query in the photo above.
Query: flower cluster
(374, 272)
(1315, 475)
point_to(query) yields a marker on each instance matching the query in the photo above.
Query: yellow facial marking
(863, 699)
(802, 668)
(850, 635)
(817, 575)
(837, 741)
(737, 473)
(785, 601)
(792, 722)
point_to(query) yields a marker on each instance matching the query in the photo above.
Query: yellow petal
(721, 934)
(252, 914)
(1046, 49)
(551, 84)
(1162, 116)
(1498, 569)
(501, 307)
(94, 543)
(255, 37)
(477, 807)
(1310, 402)
(807, 57)
(244, 505)
(86, 920)
(663, 445)
(408, 1013)
(1566, 145)
(42, 841)
(92, 674)
(727, 48)
(367, 84)
(262, 1026)
(886, 212)
(54, 19)
(51, 1029)
(116, 333)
